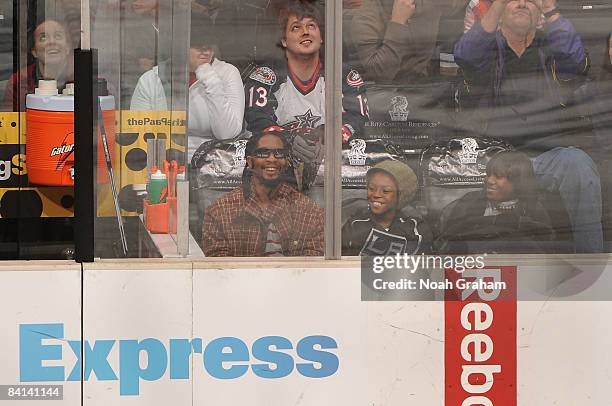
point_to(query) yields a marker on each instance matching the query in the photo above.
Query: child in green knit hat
(387, 226)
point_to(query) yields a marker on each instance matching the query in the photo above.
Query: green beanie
(404, 178)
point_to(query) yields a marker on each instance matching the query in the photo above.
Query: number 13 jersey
(276, 97)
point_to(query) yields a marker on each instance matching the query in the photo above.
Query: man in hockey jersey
(291, 95)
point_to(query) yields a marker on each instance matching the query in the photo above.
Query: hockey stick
(111, 177)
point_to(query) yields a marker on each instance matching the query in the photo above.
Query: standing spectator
(291, 95)
(265, 216)
(520, 74)
(396, 39)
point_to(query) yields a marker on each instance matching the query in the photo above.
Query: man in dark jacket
(522, 74)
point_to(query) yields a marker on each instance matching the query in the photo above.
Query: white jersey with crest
(298, 110)
(275, 96)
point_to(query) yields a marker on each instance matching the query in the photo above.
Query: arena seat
(449, 169)
(410, 116)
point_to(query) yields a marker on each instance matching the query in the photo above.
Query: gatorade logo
(62, 149)
(65, 150)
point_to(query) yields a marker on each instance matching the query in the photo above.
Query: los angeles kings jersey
(275, 96)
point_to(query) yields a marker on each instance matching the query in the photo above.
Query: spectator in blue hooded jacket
(521, 75)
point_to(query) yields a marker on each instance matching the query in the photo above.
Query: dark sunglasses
(279, 153)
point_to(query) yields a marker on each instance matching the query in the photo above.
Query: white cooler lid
(62, 102)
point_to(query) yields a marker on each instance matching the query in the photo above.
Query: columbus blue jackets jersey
(275, 96)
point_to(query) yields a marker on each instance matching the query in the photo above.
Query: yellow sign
(10, 124)
(132, 132)
(138, 126)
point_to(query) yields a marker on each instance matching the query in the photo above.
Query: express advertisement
(178, 333)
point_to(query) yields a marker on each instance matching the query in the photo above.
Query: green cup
(157, 184)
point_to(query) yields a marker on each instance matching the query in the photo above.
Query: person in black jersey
(389, 225)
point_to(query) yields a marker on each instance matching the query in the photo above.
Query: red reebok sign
(480, 342)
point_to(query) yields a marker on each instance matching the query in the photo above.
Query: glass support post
(333, 141)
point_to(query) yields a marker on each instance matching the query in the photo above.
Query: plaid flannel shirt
(237, 227)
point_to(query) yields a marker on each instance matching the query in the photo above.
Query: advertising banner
(480, 340)
(172, 333)
(34, 301)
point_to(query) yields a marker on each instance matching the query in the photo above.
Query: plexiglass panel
(487, 127)
(143, 64)
(257, 172)
(36, 204)
(218, 139)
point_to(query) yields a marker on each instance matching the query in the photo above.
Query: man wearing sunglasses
(265, 216)
(523, 78)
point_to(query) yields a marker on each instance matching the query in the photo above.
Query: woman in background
(216, 95)
(51, 49)
(505, 212)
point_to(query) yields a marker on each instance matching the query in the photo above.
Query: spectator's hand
(490, 21)
(403, 10)
(200, 72)
(547, 5)
(306, 144)
(348, 4)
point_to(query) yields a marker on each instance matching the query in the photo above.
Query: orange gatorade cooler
(50, 135)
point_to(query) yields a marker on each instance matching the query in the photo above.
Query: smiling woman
(51, 46)
(52, 52)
